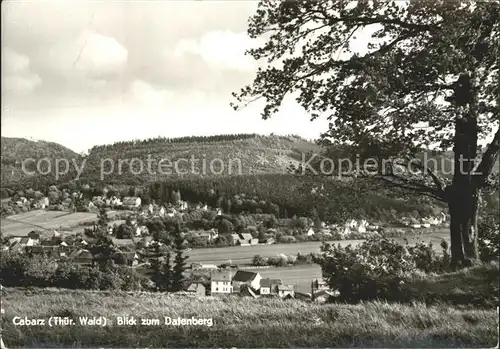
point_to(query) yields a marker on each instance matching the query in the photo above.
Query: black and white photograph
(250, 174)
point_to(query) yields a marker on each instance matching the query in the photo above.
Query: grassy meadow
(248, 322)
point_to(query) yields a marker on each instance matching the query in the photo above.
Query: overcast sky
(86, 73)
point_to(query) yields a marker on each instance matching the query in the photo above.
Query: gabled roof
(225, 275)
(244, 276)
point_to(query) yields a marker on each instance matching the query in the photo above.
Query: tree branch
(488, 161)
(398, 22)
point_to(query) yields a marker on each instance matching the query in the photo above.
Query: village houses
(131, 202)
(246, 278)
(220, 282)
(269, 286)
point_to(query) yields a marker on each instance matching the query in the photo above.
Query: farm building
(244, 239)
(317, 285)
(220, 282)
(269, 286)
(131, 202)
(286, 291)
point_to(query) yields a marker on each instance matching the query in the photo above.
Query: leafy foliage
(377, 268)
(489, 237)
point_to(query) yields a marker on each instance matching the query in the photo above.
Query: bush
(489, 237)
(286, 239)
(303, 259)
(279, 261)
(21, 271)
(427, 260)
(375, 269)
(258, 261)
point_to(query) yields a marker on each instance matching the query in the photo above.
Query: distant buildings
(131, 202)
(269, 286)
(244, 239)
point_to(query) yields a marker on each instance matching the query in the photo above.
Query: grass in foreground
(476, 287)
(242, 322)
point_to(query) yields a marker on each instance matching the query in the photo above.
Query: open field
(21, 224)
(244, 254)
(300, 275)
(256, 322)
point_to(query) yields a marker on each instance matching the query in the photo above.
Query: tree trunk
(463, 206)
(463, 198)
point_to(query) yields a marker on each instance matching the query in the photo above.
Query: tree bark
(463, 198)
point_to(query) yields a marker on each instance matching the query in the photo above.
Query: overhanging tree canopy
(380, 71)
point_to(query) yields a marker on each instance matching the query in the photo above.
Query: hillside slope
(17, 150)
(196, 156)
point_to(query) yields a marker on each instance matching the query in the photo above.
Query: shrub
(375, 269)
(303, 259)
(427, 260)
(259, 261)
(489, 237)
(286, 239)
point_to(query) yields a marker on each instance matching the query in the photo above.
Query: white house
(115, 201)
(209, 235)
(362, 226)
(161, 211)
(42, 203)
(352, 224)
(132, 201)
(286, 290)
(183, 205)
(220, 282)
(269, 286)
(310, 232)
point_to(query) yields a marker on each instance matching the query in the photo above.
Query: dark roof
(269, 282)
(221, 276)
(244, 276)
